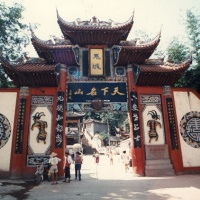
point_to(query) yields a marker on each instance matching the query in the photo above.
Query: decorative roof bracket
(76, 50)
(116, 50)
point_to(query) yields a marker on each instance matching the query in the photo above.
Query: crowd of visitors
(77, 160)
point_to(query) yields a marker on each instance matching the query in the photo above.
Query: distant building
(92, 130)
(114, 141)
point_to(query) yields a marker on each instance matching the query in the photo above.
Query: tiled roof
(54, 53)
(159, 74)
(130, 52)
(94, 33)
(31, 74)
(136, 53)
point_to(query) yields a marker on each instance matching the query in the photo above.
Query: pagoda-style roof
(95, 32)
(61, 51)
(159, 74)
(135, 52)
(57, 51)
(29, 74)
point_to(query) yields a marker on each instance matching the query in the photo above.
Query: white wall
(7, 108)
(184, 103)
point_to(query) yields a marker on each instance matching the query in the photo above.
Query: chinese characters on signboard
(135, 120)
(20, 127)
(172, 127)
(85, 92)
(96, 62)
(59, 120)
(80, 95)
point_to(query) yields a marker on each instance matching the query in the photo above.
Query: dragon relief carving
(41, 125)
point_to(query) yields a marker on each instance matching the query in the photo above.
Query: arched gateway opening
(94, 75)
(96, 109)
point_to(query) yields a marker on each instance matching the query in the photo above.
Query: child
(40, 170)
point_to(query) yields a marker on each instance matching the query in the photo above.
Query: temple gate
(94, 68)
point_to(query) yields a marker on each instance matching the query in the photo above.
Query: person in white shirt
(125, 159)
(67, 162)
(54, 168)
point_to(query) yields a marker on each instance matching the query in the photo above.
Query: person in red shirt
(78, 162)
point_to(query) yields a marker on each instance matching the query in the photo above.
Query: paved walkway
(106, 182)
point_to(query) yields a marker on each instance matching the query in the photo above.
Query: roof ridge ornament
(133, 14)
(32, 32)
(94, 22)
(183, 64)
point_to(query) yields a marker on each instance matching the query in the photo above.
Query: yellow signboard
(96, 62)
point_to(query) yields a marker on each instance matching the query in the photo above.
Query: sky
(150, 16)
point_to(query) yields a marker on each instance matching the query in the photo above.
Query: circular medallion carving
(97, 103)
(5, 130)
(190, 128)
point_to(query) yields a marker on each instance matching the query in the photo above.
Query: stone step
(159, 172)
(158, 162)
(161, 166)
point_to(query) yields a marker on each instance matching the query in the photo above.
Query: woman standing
(54, 168)
(78, 162)
(67, 162)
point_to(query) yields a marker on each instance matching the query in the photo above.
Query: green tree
(193, 30)
(13, 36)
(178, 52)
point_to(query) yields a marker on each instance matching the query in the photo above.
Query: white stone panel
(146, 117)
(40, 147)
(7, 108)
(186, 102)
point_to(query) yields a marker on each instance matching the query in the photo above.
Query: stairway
(157, 161)
(161, 167)
(87, 149)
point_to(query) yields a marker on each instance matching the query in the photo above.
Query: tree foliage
(193, 30)
(178, 52)
(13, 36)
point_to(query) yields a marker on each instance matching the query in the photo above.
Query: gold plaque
(96, 62)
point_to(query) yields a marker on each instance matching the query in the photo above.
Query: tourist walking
(67, 162)
(54, 168)
(96, 157)
(125, 159)
(78, 162)
(111, 158)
